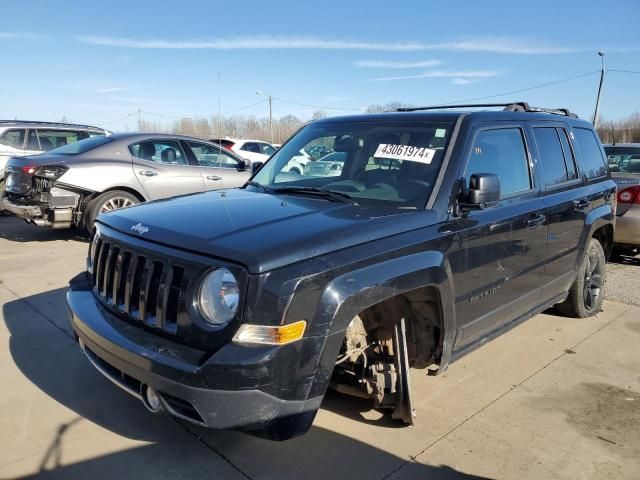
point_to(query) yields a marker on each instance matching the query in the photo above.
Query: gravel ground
(623, 280)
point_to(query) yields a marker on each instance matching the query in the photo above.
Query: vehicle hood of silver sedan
(262, 231)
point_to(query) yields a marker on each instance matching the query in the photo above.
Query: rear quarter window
(593, 162)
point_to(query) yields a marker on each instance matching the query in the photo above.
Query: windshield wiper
(259, 186)
(328, 194)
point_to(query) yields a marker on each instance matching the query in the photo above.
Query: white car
(252, 150)
(298, 163)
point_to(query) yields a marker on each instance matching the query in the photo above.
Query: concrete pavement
(552, 398)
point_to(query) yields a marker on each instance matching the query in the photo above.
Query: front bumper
(628, 227)
(135, 359)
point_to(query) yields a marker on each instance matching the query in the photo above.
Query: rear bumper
(135, 359)
(628, 227)
(28, 212)
(40, 215)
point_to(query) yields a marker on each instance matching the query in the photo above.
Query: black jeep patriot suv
(438, 230)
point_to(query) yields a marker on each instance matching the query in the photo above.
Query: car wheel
(587, 292)
(108, 202)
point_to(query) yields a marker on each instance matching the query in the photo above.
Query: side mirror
(483, 188)
(255, 166)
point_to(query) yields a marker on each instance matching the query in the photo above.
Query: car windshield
(623, 159)
(81, 146)
(388, 162)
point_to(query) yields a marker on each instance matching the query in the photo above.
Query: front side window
(556, 160)
(13, 138)
(159, 151)
(267, 149)
(503, 153)
(208, 156)
(383, 162)
(592, 161)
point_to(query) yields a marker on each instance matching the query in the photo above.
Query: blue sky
(98, 62)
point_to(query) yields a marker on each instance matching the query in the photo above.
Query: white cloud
(23, 36)
(463, 81)
(111, 90)
(459, 74)
(479, 44)
(398, 65)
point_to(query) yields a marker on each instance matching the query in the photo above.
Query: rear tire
(107, 202)
(587, 292)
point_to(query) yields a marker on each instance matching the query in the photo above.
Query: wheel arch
(421, 275)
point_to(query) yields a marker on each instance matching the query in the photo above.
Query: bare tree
(626, 130)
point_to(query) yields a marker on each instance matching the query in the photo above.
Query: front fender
(348, 295)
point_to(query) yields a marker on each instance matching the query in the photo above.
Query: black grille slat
(143, 288)
(104, 248)
(163, 296)
(128, 284)
(117, 276)
(145, 282)
(107, 282)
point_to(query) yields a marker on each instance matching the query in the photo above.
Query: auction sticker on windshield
(405, 152)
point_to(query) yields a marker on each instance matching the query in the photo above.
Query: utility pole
(602, 70)
(139, 121)
(270, 113)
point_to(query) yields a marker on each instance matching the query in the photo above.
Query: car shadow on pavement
(624, 259)
(45, 352)
(17, 230)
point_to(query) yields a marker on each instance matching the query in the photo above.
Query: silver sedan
(71, 185)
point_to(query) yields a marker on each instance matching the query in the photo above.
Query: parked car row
(72, 184)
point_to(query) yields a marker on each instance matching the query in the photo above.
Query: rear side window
(501, 152)
(251, 147)
(160, 151)
(593, 162)
(13, 138)
(50, 139)
(556, 159)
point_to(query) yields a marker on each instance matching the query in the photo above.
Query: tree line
(626, 130)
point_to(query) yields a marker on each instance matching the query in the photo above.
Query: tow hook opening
(150, 398)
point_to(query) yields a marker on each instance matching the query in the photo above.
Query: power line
(623, 71)
(117, 120)
(542, 85)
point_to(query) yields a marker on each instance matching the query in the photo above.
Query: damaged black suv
(417, 237)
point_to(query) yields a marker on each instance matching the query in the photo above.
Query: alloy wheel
(115, 203)
(592, 281)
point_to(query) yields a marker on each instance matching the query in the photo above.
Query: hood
(262, 231)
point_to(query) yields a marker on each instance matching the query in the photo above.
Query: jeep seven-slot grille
(145, 289)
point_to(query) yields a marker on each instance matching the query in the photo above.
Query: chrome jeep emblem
(141, 229)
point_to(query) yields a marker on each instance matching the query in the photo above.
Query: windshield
(81, 146)
(373, 162)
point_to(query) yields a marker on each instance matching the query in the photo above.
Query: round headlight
(218, 297)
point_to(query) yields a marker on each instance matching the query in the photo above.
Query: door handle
(581, 204)
(535, 220)
(213, 177)
(148, 173)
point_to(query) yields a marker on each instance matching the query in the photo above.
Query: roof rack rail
(508, 107)
(52, 123)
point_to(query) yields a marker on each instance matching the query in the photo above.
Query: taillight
(629, 195)
(29, 169)
(228, 146)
